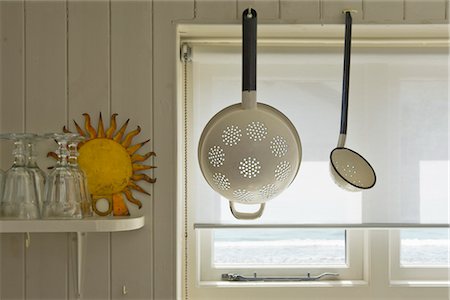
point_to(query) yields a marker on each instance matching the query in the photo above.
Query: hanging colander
(249, 152)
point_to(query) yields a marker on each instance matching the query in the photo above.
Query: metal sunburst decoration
(111, 164)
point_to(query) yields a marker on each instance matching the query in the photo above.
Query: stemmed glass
(20, 197)
(38, 174)
(85, 196)
(62, 198)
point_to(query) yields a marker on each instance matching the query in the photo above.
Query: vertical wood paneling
(332, 11)
(89, 91)
(307, 11)
(166, 54)
(425, 11)
(131, 82)
(215, 9)
(12, 262)
(383, 11)
(45, 110)
(267, 9)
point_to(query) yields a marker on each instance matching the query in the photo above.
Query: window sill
(419, 283)
(319, 284)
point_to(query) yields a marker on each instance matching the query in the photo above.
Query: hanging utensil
(249, 152)
(349, 170)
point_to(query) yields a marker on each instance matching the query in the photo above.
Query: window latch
(308, 277)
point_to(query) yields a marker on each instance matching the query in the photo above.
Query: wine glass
(62, 198)
(20, 197)
(38, 175)
(85, 196)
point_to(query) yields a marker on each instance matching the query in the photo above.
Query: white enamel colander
(249, 152)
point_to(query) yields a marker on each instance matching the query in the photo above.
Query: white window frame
(413, 275)
(353, 270)
(379, 282)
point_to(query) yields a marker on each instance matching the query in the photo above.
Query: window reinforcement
(308, 277)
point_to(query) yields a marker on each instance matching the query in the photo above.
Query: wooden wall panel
(166, 54)
(215, 9)
(425, 11)
(383, 11)
(12, 252)
(89, 91)
(267, 9)
(307, 11)
(131, 97)
(45, 111)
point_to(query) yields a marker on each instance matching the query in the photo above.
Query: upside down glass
(85, 196)
(62, 198)
(38, 175)
(20, 197)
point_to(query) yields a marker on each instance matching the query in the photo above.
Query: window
(281, 252)
(392, 89)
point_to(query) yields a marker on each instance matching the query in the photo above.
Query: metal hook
(249, 13)
(352, 11)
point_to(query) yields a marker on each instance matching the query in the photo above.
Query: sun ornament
(112, 165)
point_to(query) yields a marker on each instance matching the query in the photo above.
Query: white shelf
(92, 224)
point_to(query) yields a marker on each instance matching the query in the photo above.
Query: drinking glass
(62, 198)
(38, 174)
(85, 196)
(20, 197)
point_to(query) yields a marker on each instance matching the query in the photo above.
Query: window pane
(424, 247)
(279, 247)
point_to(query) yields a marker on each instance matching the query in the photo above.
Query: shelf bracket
(81, 259)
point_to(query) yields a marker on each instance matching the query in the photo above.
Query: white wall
(62, 58)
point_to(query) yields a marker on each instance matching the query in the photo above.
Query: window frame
(438, 275)
(377, 242)
(354, 269)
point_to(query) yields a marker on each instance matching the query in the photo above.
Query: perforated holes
(243, 195)
(256, 131)
(231, 135)
(268, 191)
(216, 156)
(282, 171)
(221, 181)
(278, 146)
(249, 167)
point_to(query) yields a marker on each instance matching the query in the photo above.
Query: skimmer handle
(346, 79)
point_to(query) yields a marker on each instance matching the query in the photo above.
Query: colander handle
(249, 22)
(247, 216)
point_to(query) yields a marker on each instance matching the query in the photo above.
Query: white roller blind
(398, 120)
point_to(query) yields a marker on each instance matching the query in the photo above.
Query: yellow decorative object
(112, 164)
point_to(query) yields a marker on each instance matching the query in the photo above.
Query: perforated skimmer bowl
(249, 152)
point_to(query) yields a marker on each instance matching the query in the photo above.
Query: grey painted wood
(383, 11)
(131, 97)
(215, 9)
(12, 255)
(267, 9)
(166, 55)
(89, 91)
(45, 110)
(425, 11)
(307, 11)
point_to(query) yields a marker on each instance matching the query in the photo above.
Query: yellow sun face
(108, 173)
(112, 165)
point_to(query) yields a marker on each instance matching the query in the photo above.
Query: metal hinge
(185, 53)
(308, 277)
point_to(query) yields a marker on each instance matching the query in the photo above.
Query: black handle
(249, 22)
(346, 79)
